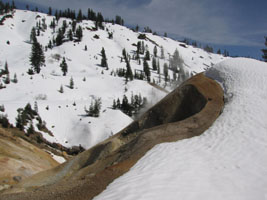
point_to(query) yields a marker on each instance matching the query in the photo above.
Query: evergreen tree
(60, 37)
(70, 36)
(71, 83)
(74, 24)
(99, 20)
(147, 56)
(30, 130)
(79, 33)
(80, 16)
(64, 27)
(36, 107)
(6, 70)
(15, 80)
(129, 73)
(264, 56)
(176, 61)
(162, 52)
(49, 44)
(19, 123)
(37, 58)
(146, 70)
(142, 50)
(104, 58)
(158, 67)
(155, 51)
(64, 66)
(61, 90)
(49, 11)
(166, 73)
(33, 35)
(7, 79)
(154, 64)
(118, 103)
(114, 105)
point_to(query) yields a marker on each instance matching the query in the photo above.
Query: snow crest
(228, 161)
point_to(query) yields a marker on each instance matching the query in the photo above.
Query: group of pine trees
(131, 108)
(5, 75)
(26, 116)
(94, 109)
(97, 17)
(73, 33)
(6, 7)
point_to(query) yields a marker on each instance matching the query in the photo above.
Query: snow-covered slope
(227, 162)
(66, 121)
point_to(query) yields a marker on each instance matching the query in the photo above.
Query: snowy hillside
(228, 161)
(64, 112)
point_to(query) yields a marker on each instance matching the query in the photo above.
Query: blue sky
(238, 25)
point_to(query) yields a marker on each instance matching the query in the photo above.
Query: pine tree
(7, 79)
(49, 44)
(155, 51)
(166, 73)
(49, 11)
(61, 90)
(104, 58)
(154, 64)
(176, 61)
(36, 107)
(162, 52)
(118, 103)
(146, 70)
(80, 16)
(69, 34)
(147, 56)
(30, 130)
(33, 35)
(114, 105)
(60, 37)
(64, 66)
(79, 33)
(71, 83)
(129, 73)
(19, 123)
(6, 70)
(37, 58)
(264, 56)
(15, 80)
(74, 23)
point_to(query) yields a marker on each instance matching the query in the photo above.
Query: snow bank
(227, 162)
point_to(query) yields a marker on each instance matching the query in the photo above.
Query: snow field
(66, 121)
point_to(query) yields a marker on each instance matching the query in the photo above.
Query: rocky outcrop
(186, 112)
(19, 159)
